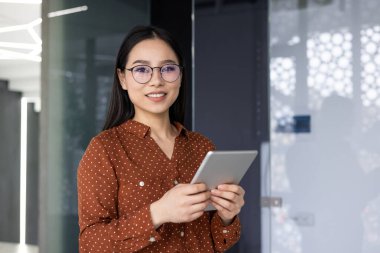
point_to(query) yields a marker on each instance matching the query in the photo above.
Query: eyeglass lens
(169, 72)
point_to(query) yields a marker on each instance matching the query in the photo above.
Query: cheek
(134, 96)
(175, 94)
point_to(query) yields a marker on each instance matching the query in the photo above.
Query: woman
(133, 180)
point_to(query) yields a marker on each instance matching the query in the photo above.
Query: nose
(156, 79)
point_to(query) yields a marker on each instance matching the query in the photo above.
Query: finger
(223, 211)
(199, 207)
(190, 189)
(198, 198)
(231, 196)
(232, 188)
(230, 206)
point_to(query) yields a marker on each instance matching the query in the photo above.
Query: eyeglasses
(143, 73)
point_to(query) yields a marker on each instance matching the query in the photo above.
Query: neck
(160, 126)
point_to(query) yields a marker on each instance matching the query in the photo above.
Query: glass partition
(325, 103)
(80, 43)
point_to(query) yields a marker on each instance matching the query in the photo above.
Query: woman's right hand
(182, 203)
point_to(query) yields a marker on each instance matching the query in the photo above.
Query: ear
(122, 79)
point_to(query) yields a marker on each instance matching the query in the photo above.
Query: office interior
(297, 80)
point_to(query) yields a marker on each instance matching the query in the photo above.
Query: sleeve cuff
(139, 226)
(224, 236)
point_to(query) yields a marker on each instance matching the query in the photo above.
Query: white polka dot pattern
(121, 173)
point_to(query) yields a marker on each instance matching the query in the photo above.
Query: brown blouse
(121, 173)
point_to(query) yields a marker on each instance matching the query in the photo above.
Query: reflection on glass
(371, 224)
(325, 64)
(282, 75)
(287, 233)
(78, 63)
(370, 61)
(330, 65)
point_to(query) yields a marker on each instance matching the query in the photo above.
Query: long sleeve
(101, 228)
(122, 172)
(224, 236)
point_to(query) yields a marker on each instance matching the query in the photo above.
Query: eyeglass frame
(152, 68)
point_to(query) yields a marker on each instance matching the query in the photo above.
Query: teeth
(156, 95)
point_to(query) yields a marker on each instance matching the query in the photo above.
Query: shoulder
(104, 140)
(200, 140)
(101, 147)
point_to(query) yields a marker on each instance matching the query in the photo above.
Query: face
(157, 95)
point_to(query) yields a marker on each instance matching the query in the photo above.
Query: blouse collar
(141, 130)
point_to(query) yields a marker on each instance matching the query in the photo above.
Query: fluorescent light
(23, 168)
(20, 27)
(21, 1)
(67, 11)
(34, 35)
(19, 45)
(34, 47)
(10, 55)
(23, 161)
(36, 52)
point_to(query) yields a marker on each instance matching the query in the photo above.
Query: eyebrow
(147, 62)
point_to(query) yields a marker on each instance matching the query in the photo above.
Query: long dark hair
(120, 106)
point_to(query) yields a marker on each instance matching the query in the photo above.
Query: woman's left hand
(228, 199)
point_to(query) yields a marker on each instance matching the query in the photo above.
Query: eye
(141, 69)
(169, 68)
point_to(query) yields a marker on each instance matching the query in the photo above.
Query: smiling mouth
(156, 95)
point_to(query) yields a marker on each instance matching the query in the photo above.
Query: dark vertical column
(232, 93)
(32, 176)
(251, 213)
(10, 120)
(175, 16)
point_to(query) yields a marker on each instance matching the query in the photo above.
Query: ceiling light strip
(23, 168)
(67, 11)
(35, 36)
(10, 55)
(19, 45)
(21, 1)
(20, 27)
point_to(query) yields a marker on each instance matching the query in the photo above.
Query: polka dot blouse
(121, 173)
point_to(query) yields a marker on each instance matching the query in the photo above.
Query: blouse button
(175, 181)
(225, 231)
(182, 233)
(141, 183)
(152, 239)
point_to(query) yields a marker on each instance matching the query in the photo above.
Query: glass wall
(80, 43)
(325, 104)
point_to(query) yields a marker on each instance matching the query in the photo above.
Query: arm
(101, 228)
(228, 199)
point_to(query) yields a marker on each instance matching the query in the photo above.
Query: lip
(156, 99)
(156, 92)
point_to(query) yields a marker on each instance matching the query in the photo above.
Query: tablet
(223, 167)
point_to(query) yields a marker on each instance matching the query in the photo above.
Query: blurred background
(298, 80)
